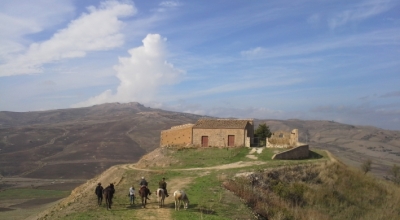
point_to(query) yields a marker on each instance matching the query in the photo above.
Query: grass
(205, 157)
(318, 191)
(32, 194)
(209, 200)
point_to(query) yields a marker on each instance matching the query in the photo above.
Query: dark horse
(108, 193)
(144, 192)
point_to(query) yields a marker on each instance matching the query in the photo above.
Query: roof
(221, 124)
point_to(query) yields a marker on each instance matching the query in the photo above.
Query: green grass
(205, 157)
(31, 194)
(209, 200)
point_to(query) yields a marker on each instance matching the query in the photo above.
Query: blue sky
(307, 59)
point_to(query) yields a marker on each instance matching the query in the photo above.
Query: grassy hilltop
(238, 183)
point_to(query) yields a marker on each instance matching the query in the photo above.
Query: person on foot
(99, 192)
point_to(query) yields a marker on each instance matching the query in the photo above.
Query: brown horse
(144, 192)
(108, 193)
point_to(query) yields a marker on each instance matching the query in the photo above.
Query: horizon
(306, 60)
(260, 119)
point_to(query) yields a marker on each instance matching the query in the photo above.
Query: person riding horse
(163, 185)
(144, 183)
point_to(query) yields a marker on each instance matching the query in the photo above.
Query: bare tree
(366, 166)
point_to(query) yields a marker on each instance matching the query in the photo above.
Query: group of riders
(99, 191)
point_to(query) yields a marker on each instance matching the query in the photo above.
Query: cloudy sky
(307, 59)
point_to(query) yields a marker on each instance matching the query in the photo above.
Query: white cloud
(97, 30)
(141, 74)
(170, 4)
(360, 12)
(253, 52)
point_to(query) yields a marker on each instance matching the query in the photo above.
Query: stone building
(210, 132)
(177, 135)
(283, 139)
(223, 132)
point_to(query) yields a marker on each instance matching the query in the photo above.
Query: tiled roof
(221, 123)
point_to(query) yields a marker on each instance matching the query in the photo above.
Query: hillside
(204, 174)
(80, 143)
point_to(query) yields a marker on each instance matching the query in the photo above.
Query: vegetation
(317, 191)
(366, 166)
(205, 157)
(262, 132)
(395, 174)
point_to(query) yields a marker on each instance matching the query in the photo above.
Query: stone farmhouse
(210, 132)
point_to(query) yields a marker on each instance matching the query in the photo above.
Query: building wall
(178, 135)
(219, 137)
(299, 152)
(283, 139)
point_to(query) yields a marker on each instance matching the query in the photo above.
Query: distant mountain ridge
(9, 119)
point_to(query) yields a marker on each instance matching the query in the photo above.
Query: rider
(163, 185)
(144, 183)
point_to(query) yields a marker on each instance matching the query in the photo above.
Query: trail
(166, 211)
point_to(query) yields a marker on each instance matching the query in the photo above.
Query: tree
(262, 131)
(366, 166)
(395, 172)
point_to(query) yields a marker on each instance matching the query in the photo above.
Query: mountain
(80, 143)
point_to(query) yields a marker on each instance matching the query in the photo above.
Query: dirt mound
(157, 158)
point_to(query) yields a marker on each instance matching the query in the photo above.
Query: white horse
(181, 197)
(160, 197)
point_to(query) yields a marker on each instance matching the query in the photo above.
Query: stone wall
(177, 136)
(299, 152)
(283, 139)
(219, 137)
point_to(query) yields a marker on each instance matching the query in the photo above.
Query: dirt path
(166, 211)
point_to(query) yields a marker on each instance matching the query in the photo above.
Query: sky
(335, 60)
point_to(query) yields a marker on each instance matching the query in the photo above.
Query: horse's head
(186, 203)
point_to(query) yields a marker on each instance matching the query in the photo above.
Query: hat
(163, 178)
(99, 184)
(142, 177)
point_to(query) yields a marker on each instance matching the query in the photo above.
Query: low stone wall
(299, 152)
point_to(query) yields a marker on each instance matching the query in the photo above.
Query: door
(204, 141)
(231, 140)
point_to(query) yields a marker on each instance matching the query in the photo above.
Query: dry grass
(318, 191)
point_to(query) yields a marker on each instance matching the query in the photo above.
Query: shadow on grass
(314, 155)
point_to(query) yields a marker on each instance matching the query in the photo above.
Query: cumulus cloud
(141, 74)
(99, 29)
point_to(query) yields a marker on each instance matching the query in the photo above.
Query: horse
(160, 197)
(181, 197)
(144, 192)
(108, 193)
